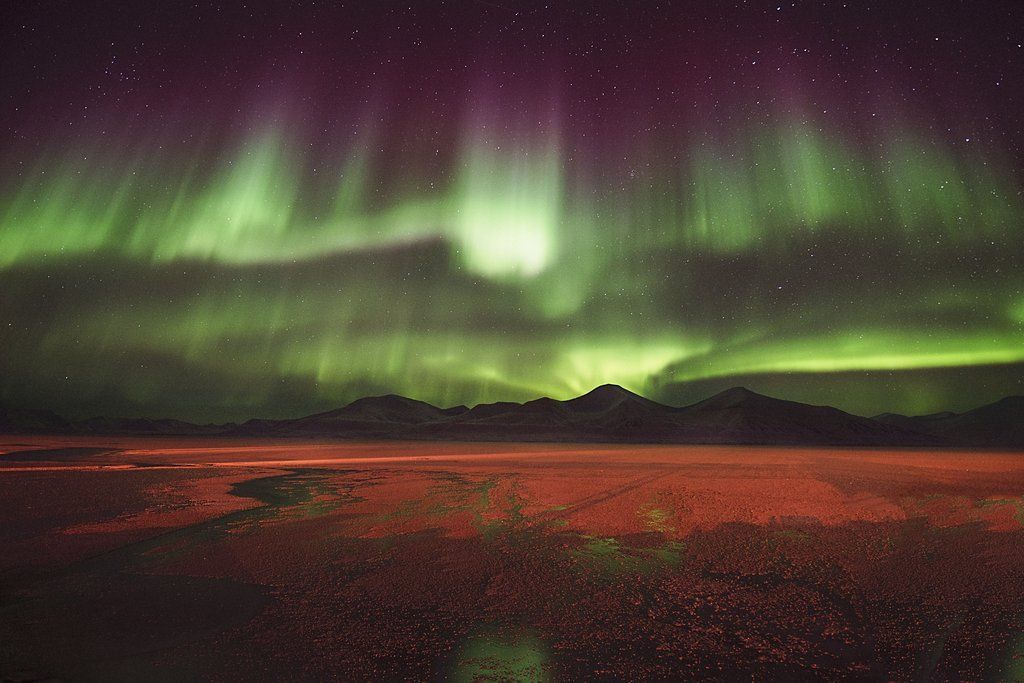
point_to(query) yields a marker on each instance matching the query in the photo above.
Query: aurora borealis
(220, 212)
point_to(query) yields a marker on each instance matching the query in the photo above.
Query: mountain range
(608, 413)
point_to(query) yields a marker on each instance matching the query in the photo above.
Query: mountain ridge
(999, 424)
(607, 413)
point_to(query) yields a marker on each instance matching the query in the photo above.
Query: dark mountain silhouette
(999, 424)
(739, 415)
(142, 425)
(608, 413)
(16, 420)
(373, 416)
(906, 421)
(608, 397)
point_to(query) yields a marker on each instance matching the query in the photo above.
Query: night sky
(223, 210)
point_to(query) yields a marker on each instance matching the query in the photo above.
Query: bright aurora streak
(497, 202)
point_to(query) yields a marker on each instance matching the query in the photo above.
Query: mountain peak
(734, 396)
(604, 397)
(739, 392)
(1010, 402)
(384, 399)
(609, 390)
(389, 407)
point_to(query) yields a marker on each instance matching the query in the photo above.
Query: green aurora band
(272, 279)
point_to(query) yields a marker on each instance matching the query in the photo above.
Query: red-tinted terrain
(149, 559)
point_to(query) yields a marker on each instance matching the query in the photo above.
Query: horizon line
(468, 406)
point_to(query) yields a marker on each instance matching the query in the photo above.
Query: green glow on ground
(499, 656)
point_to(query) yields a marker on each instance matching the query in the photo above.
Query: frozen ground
(155, 558)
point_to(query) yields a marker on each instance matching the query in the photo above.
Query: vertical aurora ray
(509, 209)
(508, 212)
(64, 207)
(508, 200)
(249, 204)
